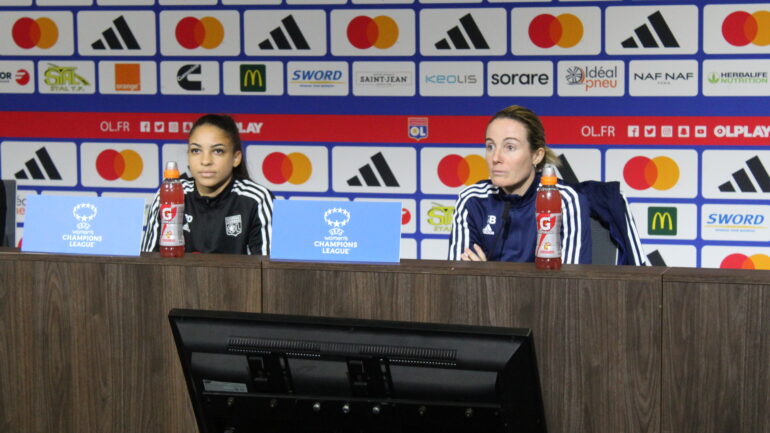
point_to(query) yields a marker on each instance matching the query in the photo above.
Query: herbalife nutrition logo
(759, 77)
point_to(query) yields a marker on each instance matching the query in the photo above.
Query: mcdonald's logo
(661, 221)
(253, 78)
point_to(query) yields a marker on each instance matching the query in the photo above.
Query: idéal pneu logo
(591, 78)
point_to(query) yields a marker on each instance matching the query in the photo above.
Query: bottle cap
(549, 175)
(171, 172)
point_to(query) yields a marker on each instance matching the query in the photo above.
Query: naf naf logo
(458, 32)
(655, 30)
(663, 78)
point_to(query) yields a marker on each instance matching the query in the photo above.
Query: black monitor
(249, 372)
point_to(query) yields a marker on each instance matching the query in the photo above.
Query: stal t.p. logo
(336, 218)
(84, 213)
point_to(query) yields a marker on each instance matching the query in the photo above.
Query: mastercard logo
(742, 261)
(379, 32)
(660, 173)
(126, 164)
(206, 32)
(42, 33)
(742, 28)
(455, 170)
(280, 168)
(565, 30)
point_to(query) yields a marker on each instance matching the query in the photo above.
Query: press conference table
(85, 344)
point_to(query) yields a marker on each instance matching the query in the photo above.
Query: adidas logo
(111, 38)
(279, 37)
(34, 169)
(488, 230)
(458, 38)
(646, 38)
(656, 259)
(566, 172)
(369, 176)
(743, 180)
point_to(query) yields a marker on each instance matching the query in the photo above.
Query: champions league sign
(366, 232)
(83, 225)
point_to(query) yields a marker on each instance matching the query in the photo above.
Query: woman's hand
(475, 255)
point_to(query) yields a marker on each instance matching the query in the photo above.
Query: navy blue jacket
(479, 219)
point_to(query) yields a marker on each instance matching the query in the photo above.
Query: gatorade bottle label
(171, 219)
(548, 236)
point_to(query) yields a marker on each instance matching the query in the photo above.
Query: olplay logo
(663, 78)
(436, 216)
(116, 33)
(746, 77)
(253, 78)
(289, 168)
(39, 164)
(736, 29)
(184, 78)
(520, 78)
(448, 170)
(36, 34)
(684, 256)
(132, 165)
(17, 76)
(735, 257)
(137, 78)
(285, 32)
(384, 79)
(387, 170)
(62, 76)
(451, 78)
(200, 33)
(736, 174)
(373, 32)
(591, 78)
(408, 212)
(735, 222)
(555, 31)
(317, 78)
(653, 173)
(651, 30)
(577, 165)
(666, 220)
(463, 32)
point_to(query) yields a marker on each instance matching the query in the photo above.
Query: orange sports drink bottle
(171, 213)
(548, 219)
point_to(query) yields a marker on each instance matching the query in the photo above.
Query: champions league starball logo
(336, 218)
(84, 212)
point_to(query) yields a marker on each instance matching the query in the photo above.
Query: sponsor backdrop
(388, 100)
